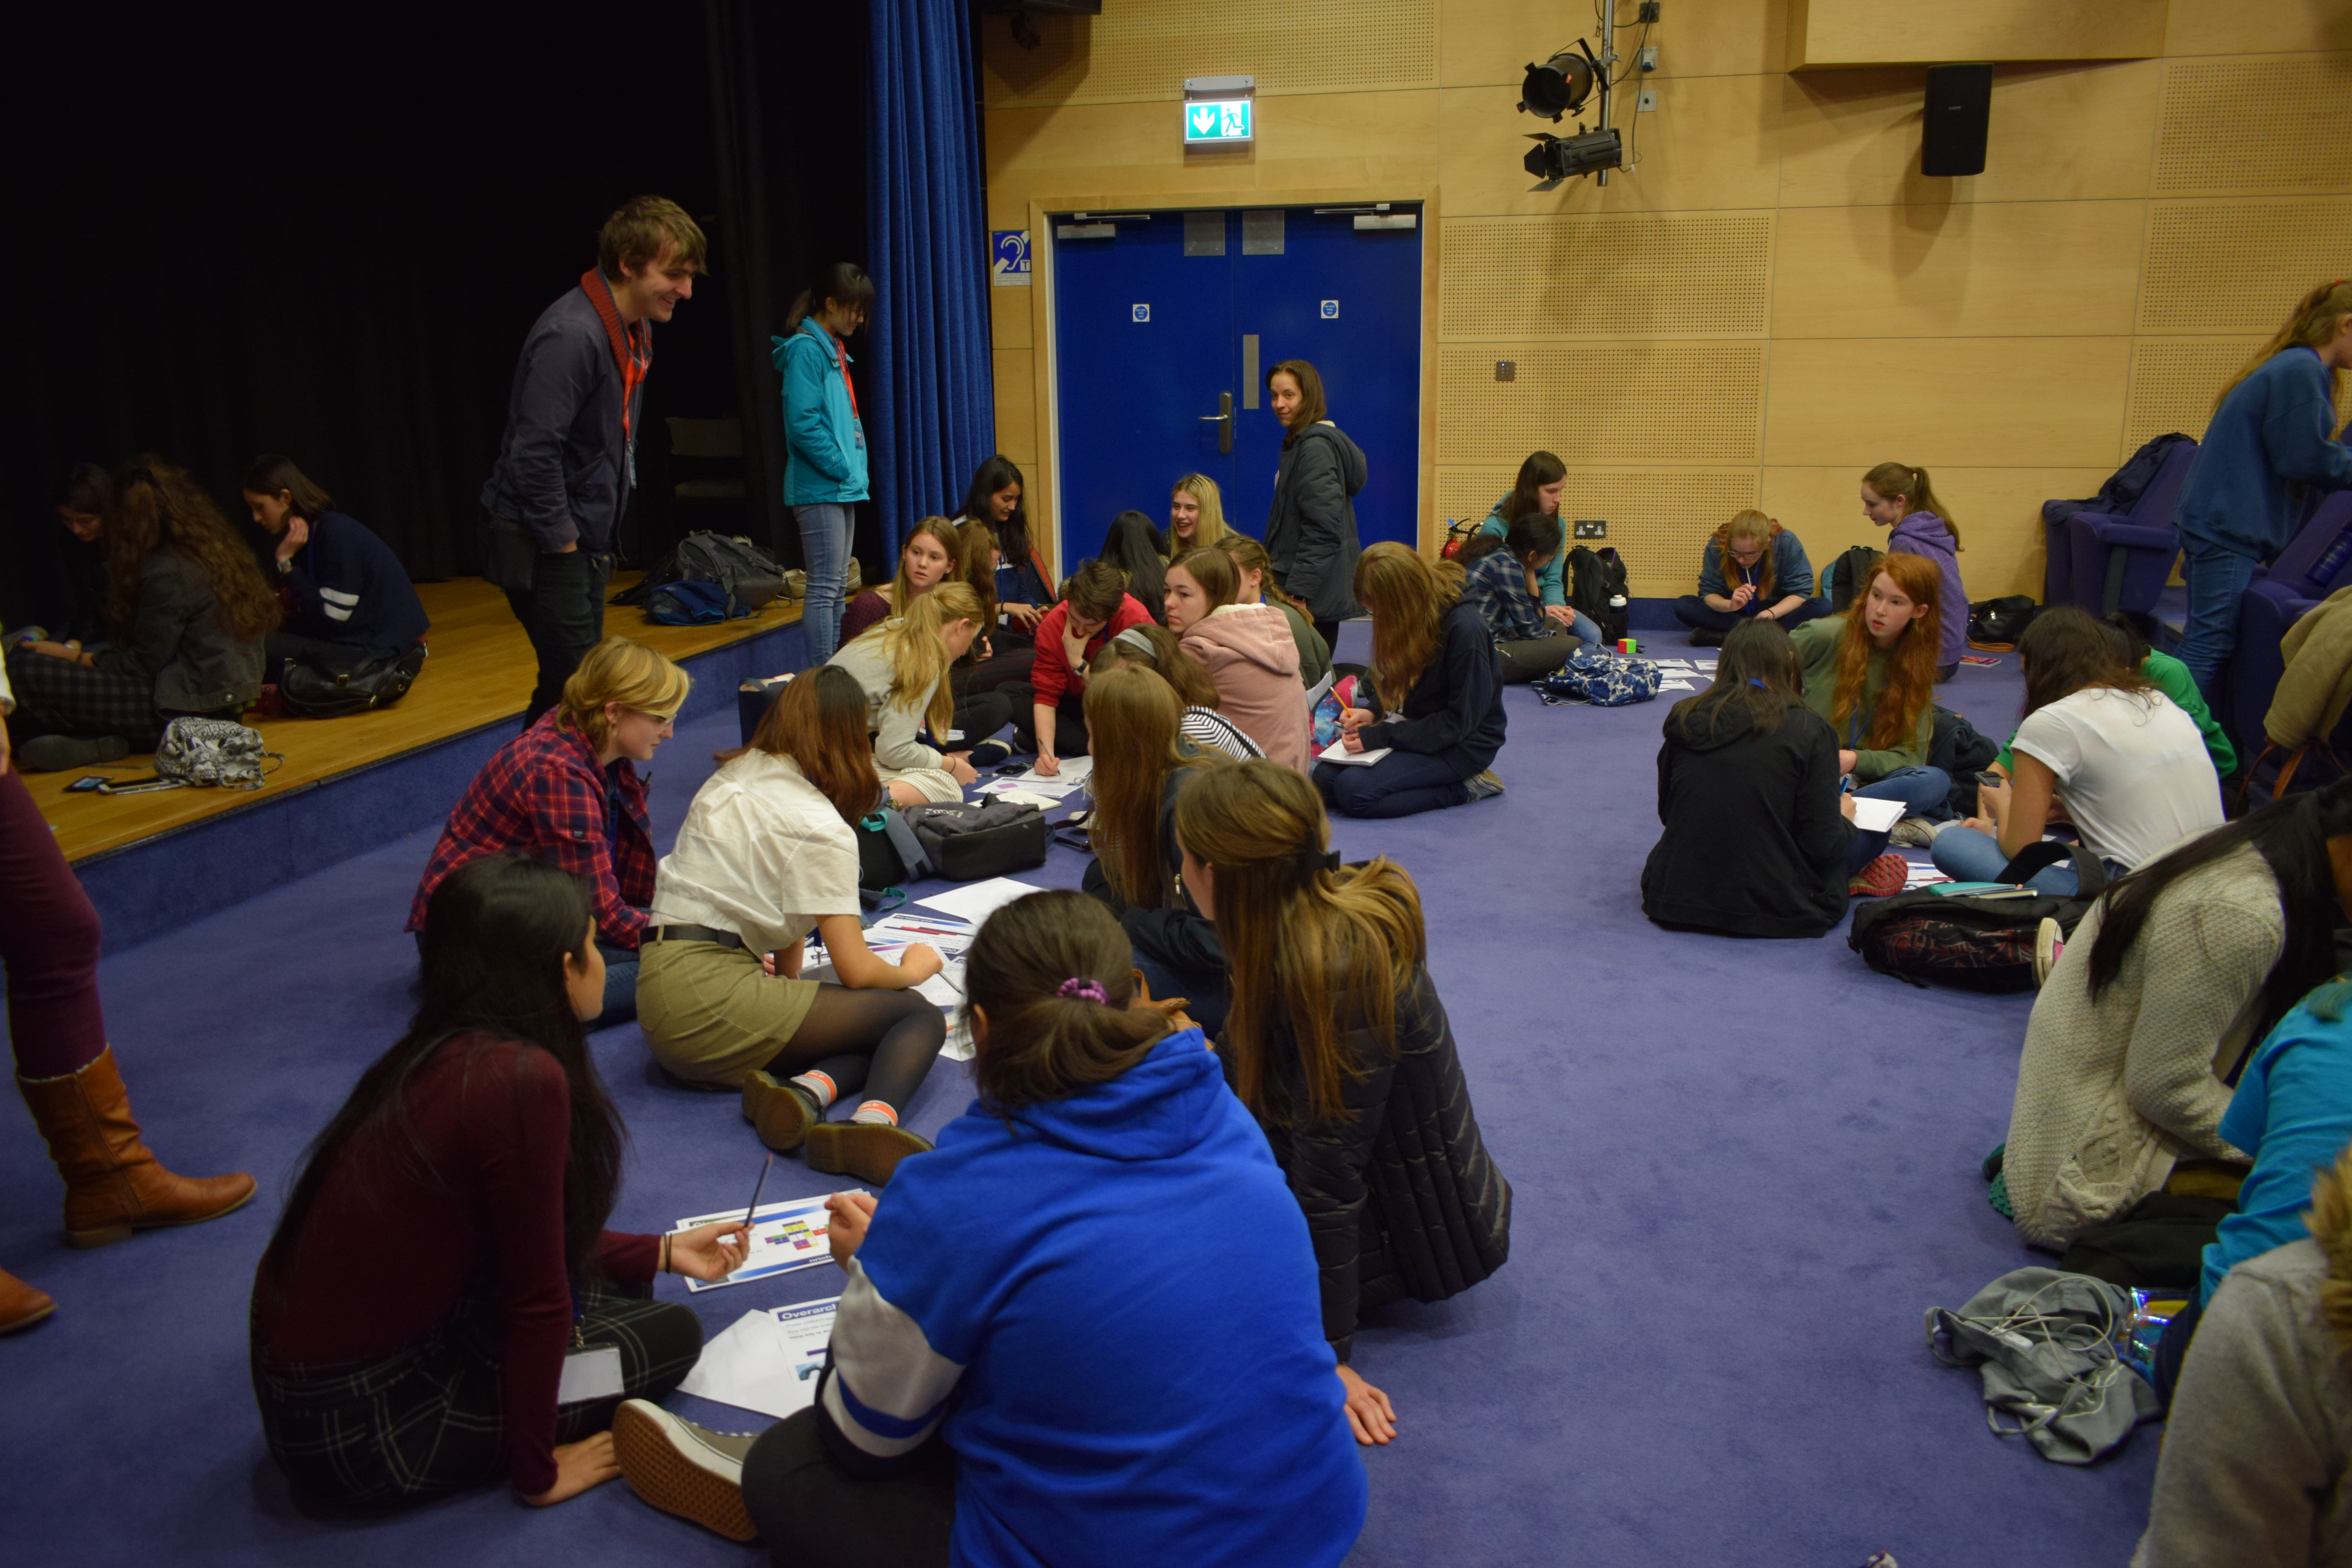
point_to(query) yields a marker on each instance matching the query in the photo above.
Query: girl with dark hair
(1775, 581)
(84, 503)
(824, 438)
(347, 598)
(1249, 654)
(1897, 497)
(1870, 672)
(2148, 1013)
(1133, 546)
(1337, 1044)
(1542, 480)
(1017, 1360)
(1310, 526)
(1504, 582)
(934, 553)
(1155, 649)
(2273, 439)
(1049, 708)
(188, 611)
(1759, 838)
(767, 854)
(1142, 763)
(1025, 589)
(2099, 742)
(1253, 565)
(1435, 692)
(442, 1257)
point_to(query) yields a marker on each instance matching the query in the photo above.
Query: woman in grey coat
(1310, 529)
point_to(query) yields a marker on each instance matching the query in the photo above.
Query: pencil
(756, 1188)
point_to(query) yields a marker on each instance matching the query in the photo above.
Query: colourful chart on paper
(784, 1237)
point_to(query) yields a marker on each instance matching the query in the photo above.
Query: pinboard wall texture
(1774, 298)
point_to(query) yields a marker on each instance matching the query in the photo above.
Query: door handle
(1225, 418)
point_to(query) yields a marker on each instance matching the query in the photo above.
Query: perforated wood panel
(1145, 49)
(2173, 385)
(1657, 521)
(2238, 267)
(1656, 275)
(1601, 403)
(2245, 125)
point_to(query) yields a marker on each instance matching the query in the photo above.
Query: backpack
(1603, 679)
(1995, 625)
(1598, 590)
(746, 576)
(1978, 941)
(966, 840)
(2055, 1350)
(2123, 487)
(213, 751)
(1850, 575)
(887, 856)
(308, 692)
(1960, 751)
(689, 605)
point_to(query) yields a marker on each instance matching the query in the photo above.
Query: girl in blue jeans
(824, 440)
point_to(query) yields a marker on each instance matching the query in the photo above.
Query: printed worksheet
(784, 1237)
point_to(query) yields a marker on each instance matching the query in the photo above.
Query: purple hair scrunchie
(1085, 990)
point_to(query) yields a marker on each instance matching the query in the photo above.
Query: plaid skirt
(58, 697)
(429, 1419)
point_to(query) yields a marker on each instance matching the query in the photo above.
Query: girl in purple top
(1896, 495)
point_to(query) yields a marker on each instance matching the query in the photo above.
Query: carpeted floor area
(1744, 1169)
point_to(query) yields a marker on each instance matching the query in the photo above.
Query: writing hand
(920, 960)
(849, 1216)
(1352, 739)
(1047, 766)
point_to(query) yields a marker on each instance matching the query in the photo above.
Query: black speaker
(1952, 137)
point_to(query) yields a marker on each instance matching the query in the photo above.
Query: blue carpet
(1744, 1169)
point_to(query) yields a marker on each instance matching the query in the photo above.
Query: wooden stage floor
(481, 672)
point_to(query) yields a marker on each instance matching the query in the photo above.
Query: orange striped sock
(877, 1112)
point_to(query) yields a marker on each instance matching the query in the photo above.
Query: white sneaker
(1911, 832)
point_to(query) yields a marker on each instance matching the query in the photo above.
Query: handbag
(218, 752)
(308, 692)
(1602, 680)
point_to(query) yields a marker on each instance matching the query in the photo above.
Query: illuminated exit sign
(1217, 121)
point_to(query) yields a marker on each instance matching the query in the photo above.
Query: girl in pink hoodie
(1248, 652)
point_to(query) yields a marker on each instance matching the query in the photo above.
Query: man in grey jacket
(565, 469)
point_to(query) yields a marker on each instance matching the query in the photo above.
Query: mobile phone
(1989, 777)
(87, 783)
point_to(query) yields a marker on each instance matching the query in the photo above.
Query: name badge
(591, 1374)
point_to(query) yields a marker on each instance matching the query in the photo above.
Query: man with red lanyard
(565, 469)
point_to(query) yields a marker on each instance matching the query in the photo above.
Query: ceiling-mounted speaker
(1960, 107)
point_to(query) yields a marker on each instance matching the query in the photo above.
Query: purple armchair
(2121, 563)
(2316, 562)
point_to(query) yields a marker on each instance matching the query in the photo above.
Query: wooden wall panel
(1601, 402)
(1987, 269)
(2273, 27)
(1644, 275)
(1016, 406)
(1483, 43)
(1658, 519)
(2238, 267)
(2174, 382)
(1997, 511)
(2039, 402)
(1145, 49)
(2239, 126)
(1709, 144)
(1011, 310)
(1880, 32)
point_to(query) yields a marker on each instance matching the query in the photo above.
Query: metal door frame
(1047, 355)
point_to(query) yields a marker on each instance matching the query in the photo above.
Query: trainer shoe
(1911, 832)
(870, 1150)
(2048, 941)
(782, 1111)
(1706, 636)
(990, 753)
(56, 753)
(1882, 879)
(1481, 786)
(682, 1469)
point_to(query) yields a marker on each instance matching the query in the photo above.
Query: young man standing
(565, 469)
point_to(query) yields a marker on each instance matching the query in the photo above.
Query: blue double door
(1166, 324)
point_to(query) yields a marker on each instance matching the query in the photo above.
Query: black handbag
(308, 692)
(1995, 625)
(964, 841)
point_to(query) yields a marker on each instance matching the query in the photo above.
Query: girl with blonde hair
(1336, 1042)
(2273, 437)
(1196, 516)
(1753, 569)
(1898, 498)
(1435, 694)
(902, 665)
(934, 553)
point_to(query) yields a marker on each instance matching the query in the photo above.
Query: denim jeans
(2216, 575)
(1699, 616)
(1971, 854)
(619, 985)
(562, 612)
(1921, 790)
(826, 530)
(1399, 784)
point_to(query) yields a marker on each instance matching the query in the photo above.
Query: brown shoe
(870, 1150)
(113, 1185)
(21, 1305)
(782, 1110)
(682, 1469)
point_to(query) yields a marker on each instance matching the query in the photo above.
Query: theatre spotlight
(1561, 157)
(1560, 85)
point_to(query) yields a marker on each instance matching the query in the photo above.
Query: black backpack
(747, 574)
(966, 840)
(1850, 576)
(1978, 941)
(1996, 624)
(1960, 751)
(1598, 589)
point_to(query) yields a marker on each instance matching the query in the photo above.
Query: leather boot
(21, 1305)
(114, 1185)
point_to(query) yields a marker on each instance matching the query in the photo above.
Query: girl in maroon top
(444, 1252)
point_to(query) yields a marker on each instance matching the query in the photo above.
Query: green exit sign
(1216, 122)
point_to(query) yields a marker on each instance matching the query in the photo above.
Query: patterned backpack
(1603, 679)
(213, 752)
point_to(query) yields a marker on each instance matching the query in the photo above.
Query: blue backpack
(1605, 680)
(689, 605)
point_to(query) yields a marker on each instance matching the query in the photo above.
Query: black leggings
(880, 1042)
(813, 1514)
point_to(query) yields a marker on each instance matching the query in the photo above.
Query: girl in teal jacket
(824, 440)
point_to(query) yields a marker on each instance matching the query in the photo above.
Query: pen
(756, 1188)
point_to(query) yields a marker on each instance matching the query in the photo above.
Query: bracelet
(664, 1266)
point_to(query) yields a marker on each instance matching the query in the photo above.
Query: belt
(691, 934)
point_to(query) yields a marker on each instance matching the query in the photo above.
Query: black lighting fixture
(1559, 87)
(1564, 157)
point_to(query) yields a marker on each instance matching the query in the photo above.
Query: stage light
(1561, 157)
(1559, 86)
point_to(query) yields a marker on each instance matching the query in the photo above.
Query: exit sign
(1216, 122)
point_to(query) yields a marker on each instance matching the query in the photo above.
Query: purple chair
(2315, 563)
(2121, 563)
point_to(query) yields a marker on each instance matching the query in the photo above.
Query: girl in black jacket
(1759, 834)
(1336, 1042)
(1310, 525)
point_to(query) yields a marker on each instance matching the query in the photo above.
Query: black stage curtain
(324, 231)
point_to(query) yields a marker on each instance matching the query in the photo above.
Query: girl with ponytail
(902, 664)
(1336, 1042)
(2274, 439)
(1898, 497)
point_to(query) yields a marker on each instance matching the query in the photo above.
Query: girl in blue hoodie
(824, 440)
(1084, 1330)
(1898, 497)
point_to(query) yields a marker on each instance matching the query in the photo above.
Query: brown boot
(114, 1185)
(21, 1305)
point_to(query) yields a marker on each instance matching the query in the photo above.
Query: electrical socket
(1647, 56)
(1646, 100)
(1592, 528)
(1649, 11)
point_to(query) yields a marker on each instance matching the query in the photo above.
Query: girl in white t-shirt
(2102, 746)
(767, 854)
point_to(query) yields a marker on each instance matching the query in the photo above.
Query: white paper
(591, 1374)
(900, 928)
(784, 1237)
(1921, 874)
(976, 902)
(1676, 685)
(1013, 796)
(766, 1361)
(1876, 816)
(958, 1045)
(1337, 751)
(1315, 693)
(1030, 787)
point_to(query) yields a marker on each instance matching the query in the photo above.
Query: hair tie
(1083, 990)
(1133, 637)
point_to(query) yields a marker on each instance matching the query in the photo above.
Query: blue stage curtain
(934, 419)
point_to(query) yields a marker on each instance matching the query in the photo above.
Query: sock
(876, 1113)
(819, 1086)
